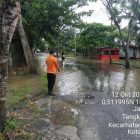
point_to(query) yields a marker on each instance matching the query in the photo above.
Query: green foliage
(1, 136)
(11, 124)
(48, 19)
(67, 40)
(121, 10)
(136, 25)
(97, 35)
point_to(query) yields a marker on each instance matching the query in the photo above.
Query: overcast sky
(99, 15)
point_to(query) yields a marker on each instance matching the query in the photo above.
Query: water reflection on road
(79, 77)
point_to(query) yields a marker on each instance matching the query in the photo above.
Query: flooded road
(96, 101)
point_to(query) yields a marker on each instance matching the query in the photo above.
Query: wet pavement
(95, 101)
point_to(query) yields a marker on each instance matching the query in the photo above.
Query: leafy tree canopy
(97, 35)
(49, 18)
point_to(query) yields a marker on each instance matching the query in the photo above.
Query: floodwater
(82, 76)
(78, 77)
(98, 95)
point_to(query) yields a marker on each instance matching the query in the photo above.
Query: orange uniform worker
(52, 69)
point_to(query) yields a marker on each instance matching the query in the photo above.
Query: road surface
(96, 101)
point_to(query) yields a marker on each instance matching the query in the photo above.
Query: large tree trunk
(86, 52)
(109, 52)
(26, 47)
(92, 53)
(127, 59)
(9, 15)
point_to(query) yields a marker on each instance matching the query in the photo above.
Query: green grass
(43, 78)
(14, 129)
(11, 124)
(134, 63)
(19, 89)
(15, 95)
(1, 136)
(22, 87)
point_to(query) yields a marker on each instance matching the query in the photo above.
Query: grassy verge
(13, 128)
(133, 62)
(22, 87)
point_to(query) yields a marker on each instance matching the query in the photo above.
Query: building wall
(132, 53)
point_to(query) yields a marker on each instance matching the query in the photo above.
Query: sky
(99, 15)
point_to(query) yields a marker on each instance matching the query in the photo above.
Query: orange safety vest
(52, 64)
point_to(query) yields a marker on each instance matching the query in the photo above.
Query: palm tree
(8, 21)
(9, 17)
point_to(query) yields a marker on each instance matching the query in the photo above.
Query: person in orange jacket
(52, 69)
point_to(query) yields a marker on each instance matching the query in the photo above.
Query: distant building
(133, 52)
(103, 54)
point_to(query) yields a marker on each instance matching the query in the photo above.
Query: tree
(49, 19)
(26, 47)
(66, 39)
(136, 27)
(9, 15)
(120, 10)
(97, 35)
